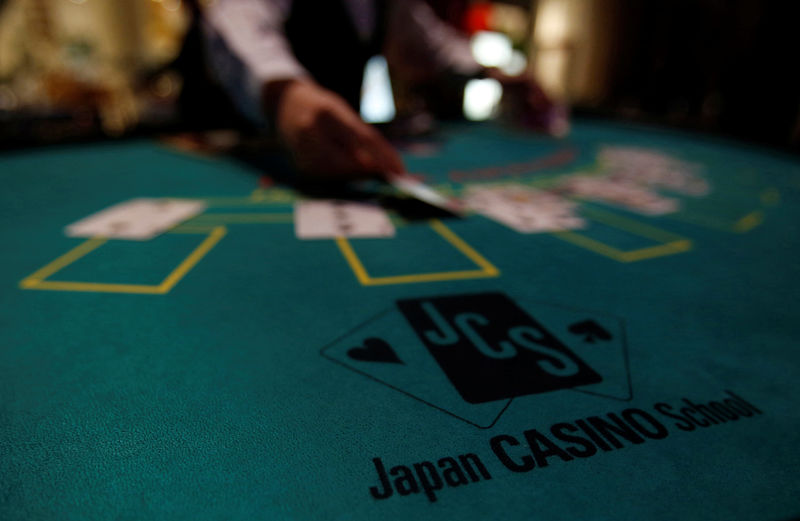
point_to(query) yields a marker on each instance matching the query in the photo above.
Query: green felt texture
(231, 396)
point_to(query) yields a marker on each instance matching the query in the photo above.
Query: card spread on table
(621, 192)
(525, 209)
(329, 218)
(415, 188)
(653, 169)
(138, 219)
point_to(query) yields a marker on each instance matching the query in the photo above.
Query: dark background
(721, 67)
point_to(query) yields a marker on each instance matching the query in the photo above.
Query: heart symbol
(375, 350)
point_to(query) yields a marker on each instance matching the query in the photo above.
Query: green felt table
(227, 370)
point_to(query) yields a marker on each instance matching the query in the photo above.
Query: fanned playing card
(621, 192)
(525, 209)
(653, 169)
(329, 218)
(137, 219)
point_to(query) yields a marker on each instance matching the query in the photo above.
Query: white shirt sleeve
(246, 48)
(420, 42)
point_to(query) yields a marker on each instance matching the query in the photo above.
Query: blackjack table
(641, 366)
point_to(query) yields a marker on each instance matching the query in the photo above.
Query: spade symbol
(374, 350)
(590, 330)
(118, 226)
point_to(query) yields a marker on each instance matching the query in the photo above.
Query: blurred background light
(481, 99)
(8, 100)
(552, 22)
(491, 49)
(517, 64)
(377, 101)
(706, 64)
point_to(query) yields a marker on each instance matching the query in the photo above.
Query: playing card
(620, 192)
(415, 188)
(653, 169)
(329, 218)
(137, 219)
(524, 209)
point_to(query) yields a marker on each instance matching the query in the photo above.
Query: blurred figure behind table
(296, 67)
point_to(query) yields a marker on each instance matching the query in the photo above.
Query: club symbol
(590, 330)
(345, 227)
(374, 350)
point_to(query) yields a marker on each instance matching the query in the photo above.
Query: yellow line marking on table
(38, 280)
(189, 262)
(741, 225)
(259, 197)
(236, 201)
(352, 259)
(96, 287)
(464, 248)
(63, 261)
(704, 221)
(192, 229)
(629, 225)
(770, 197)
(487, 269)
(670, 243)
(748, 222)
(241, 218)
(657, 251)
(590, 244)
(602, 248)
(259, 194)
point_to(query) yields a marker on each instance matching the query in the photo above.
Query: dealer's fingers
(368, 147)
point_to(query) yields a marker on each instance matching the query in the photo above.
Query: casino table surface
(643, 367)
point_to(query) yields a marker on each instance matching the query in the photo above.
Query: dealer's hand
(326, 138)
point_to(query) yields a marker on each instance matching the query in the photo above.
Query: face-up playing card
(326, 219)
(524, 209)
(137, 219)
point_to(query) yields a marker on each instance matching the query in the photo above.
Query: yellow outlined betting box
(668, 242)
(485, 268)
(769, 197)
(39, 279)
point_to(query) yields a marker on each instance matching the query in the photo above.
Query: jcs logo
(491, 349)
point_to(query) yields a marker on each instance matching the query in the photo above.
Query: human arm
(252, 59)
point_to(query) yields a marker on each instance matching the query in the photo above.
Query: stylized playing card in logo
(490, 349)
(470, 355)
